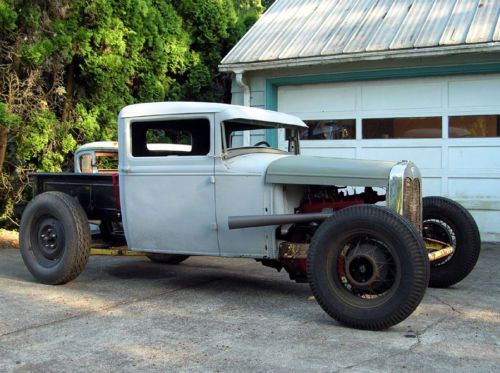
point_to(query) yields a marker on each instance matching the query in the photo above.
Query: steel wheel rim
(47, 240)
(440, 230)
(365, 289)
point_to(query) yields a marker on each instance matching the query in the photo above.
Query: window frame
(173, 118)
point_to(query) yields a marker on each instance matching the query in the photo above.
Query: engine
(331, 198)
(321, 199)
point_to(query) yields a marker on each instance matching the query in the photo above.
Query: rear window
(173, 137)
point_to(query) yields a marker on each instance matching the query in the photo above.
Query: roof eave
(362, 56)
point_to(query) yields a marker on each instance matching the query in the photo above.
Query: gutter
(362, 56)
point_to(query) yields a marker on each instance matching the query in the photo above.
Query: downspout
(246, 100)
(243, 86)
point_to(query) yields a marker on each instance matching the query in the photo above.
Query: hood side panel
(312, 170)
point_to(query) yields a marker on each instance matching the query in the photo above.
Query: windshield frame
(293, 140)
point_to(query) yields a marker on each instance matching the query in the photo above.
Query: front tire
(54, 238)
(449, 222)
(368, 267)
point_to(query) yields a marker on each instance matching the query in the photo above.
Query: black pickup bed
(97, 193)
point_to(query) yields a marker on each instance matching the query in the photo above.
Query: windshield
(243, 136)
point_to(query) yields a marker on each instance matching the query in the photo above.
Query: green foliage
(7, 119)
(8, 16)
(71, 65)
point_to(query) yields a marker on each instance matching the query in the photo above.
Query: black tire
(450, 222)
(336, 264)
(54, 238)
(167, 258)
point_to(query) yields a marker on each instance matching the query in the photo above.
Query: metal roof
(327, 30)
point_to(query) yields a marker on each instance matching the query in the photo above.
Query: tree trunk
(70, 87)
(4, 133)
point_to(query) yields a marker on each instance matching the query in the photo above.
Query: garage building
(386, 79)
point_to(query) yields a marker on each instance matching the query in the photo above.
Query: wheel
(447, 221)
(368, 267)
(262, 143)
(54, 238)
(167, 258)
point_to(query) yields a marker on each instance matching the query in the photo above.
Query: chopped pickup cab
(200, 179)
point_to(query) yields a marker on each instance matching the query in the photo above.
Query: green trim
(409, 72)
(272, 104)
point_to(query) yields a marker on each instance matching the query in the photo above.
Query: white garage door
(448, 126)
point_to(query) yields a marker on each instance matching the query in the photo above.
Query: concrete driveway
(210, 314)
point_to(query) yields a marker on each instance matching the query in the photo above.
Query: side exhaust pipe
(237, 222)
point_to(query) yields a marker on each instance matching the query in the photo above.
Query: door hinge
(214, 226)
(212, 179)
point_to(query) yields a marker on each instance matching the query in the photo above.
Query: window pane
(331, 129)
(168, 140)
(106, 161)
(402, 128)
(176, 137)
(474, 126)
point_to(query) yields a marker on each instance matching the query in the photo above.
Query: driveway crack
(446, 304)
(116, 305)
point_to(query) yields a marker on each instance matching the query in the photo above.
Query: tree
(68, 67)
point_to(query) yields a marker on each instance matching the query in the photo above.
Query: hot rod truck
(358, 231)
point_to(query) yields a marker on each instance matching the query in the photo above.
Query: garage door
(448, 126)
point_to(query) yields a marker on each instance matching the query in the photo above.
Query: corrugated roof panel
(292, 31)
(283, 35)
(458, 26)
(276, 30)
(496, 35)
(335, 16)
(251, 43)
(435, 23)
(390, 26)
(412, 25)
(365, 33)
(309, 29)
(332, 29)
(348, 27)
(484, 22)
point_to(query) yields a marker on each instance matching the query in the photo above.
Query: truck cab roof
(230, 112)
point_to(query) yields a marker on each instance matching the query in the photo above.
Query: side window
(171, 137)
(86, 163)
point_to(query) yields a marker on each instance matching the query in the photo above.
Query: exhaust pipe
(237, 222)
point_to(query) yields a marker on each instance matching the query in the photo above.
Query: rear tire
(167, 258)
(54, 238)
(368, 267)
(448, 221)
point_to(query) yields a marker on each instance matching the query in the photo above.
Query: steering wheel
(262, 143)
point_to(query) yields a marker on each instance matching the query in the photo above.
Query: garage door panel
(474, 188)
(488, 222)
(474, 157)
(474, 93)
(401, 96)
(423, 157)
(431, 186)
(320, 98)
(330, 152)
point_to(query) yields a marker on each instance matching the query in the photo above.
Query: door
(167, 185)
